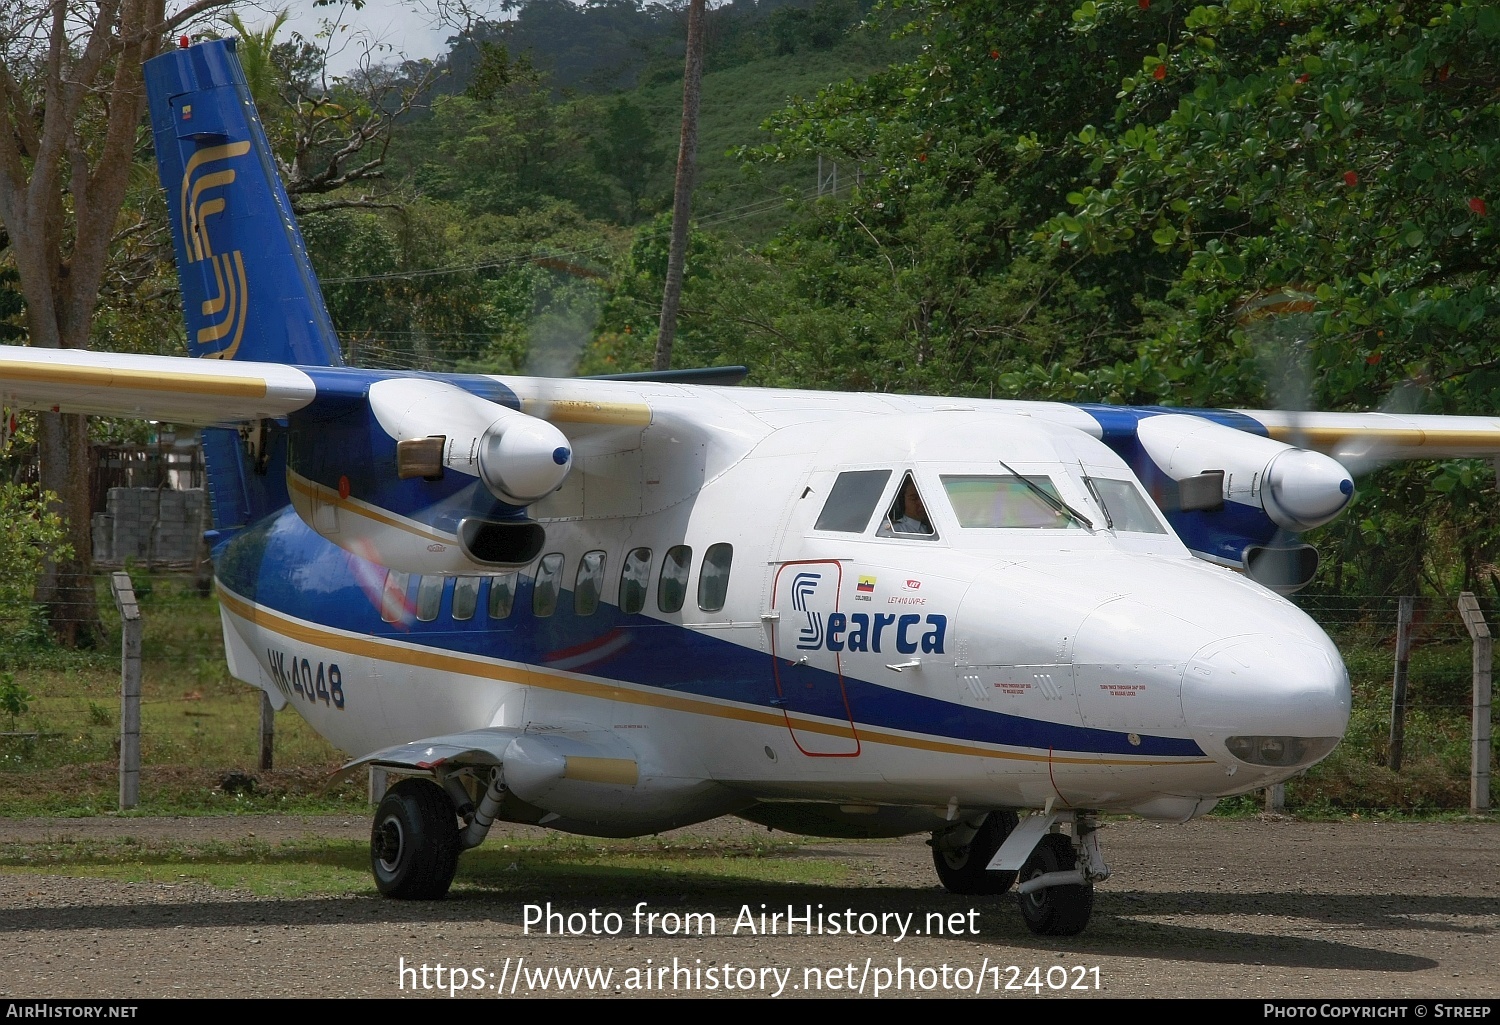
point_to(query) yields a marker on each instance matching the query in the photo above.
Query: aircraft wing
(1357, 438)
(186, 391)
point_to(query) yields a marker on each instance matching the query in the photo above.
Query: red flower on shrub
(1351, 179)
(1477, 205)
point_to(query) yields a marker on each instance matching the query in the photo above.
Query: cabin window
(713, 577)
(548, 581)
(1125, 508)
(671, 588)
(907, 515)
(393, 598)
(853, 500)
(1007, 501)
(502, 595)
(465, 597)
(635, 577)
(589, 583)
(429, 598)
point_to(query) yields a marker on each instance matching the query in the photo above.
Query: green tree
(626, 150)
(1334, 148)
(505, 145)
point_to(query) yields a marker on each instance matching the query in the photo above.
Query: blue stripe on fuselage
(283, 565)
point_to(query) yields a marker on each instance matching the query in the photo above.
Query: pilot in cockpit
(907, 514)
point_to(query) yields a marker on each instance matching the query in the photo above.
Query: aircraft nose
(1268, 700)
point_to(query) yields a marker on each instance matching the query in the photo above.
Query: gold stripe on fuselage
(322, 493)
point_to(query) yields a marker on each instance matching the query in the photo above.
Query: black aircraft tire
(414, 841)
(963, 871)
(1057, 910)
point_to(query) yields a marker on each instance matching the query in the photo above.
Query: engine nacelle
(446, 500)
(519, 458)
(1297, 488)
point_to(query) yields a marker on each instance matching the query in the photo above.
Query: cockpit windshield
(1007, 502)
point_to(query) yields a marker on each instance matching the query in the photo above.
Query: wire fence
(1364, 627)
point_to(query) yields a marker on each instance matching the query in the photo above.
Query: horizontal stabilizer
(724, 376)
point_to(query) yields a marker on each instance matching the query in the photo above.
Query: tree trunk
(66, 589)
(682, 203)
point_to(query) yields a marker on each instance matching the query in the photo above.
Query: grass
(199, 727)
(320, 867)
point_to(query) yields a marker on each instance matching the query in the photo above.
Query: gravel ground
(1210, 908)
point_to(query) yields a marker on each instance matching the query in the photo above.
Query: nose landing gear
(1057, 872)
(1056, 909)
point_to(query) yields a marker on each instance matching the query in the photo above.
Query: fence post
(1398, 687)
(130, 689)
(267, 730)
(1479, 756)
(1276, 799)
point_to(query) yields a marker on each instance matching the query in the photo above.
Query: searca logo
(862, 631)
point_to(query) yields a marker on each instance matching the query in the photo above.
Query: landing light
(1280, 751)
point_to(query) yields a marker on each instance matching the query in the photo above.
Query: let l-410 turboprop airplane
(615, 607)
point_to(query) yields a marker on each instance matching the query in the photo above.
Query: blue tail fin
(248, 289)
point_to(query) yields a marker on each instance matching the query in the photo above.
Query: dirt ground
(1211, 908)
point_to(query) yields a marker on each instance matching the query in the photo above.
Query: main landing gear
(416, 837)
(962, 854)
(414, 841)
(1057, 872)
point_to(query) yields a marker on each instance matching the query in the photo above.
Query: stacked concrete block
(149, 525)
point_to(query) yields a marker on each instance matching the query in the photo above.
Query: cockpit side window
(907, 516)
(1124, 506)
(852, 501)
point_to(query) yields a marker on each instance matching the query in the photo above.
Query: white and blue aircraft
(615, 607)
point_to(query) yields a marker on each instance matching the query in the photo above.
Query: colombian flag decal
(866, 584)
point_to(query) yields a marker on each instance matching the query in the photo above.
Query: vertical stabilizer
(248, 290)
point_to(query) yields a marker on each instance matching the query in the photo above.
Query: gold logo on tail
(230, 295)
